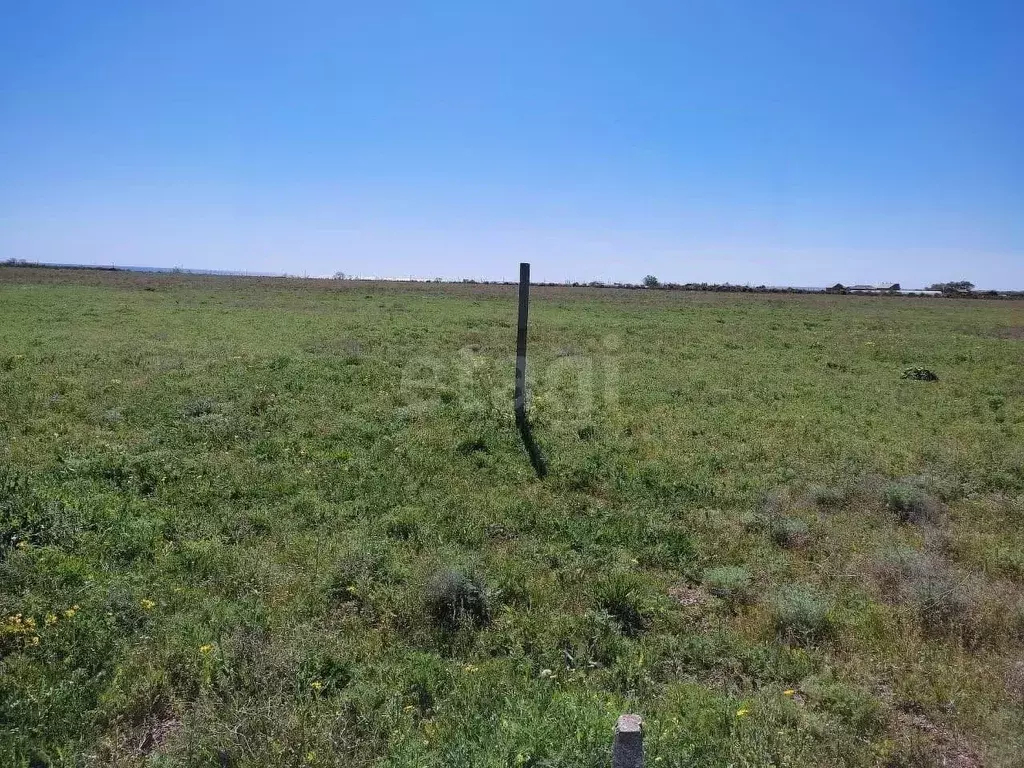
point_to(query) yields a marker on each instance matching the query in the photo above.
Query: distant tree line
(954, 288)
(40, 265)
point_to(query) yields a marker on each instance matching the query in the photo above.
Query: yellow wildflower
(788, 692)
(742, 712)
(470, 668)
(51, 619)
(147, 605)
(30, 622)
(206, 649)
(317, 686)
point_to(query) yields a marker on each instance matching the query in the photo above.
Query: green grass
(271, 522)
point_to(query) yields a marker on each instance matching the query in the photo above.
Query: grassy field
(273, 522)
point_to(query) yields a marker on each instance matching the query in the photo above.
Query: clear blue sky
(766, 142)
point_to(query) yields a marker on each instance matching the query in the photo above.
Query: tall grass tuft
(620, 594)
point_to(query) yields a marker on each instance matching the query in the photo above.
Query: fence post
(521, 326)
(628, 749)
(522, 423)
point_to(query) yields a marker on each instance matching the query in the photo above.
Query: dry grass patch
(947, 602)
(923, 744)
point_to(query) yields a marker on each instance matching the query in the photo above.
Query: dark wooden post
(524, 313)
(536, 458)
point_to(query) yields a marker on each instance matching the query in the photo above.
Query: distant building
(874, 289)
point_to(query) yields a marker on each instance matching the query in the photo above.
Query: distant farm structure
(886, 289)
(864, 289)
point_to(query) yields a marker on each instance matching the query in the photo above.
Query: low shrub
(893, 568)
(918, 373)
(789, 532)
(516, 583)
(324, 673)
(911, 504)
(455, 599)
(729, 582)
(427, 680)
(801, 615)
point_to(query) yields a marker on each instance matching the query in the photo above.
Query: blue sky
(765, 142)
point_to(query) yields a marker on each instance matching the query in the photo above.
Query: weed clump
(25, 516)
(911, 504)
(789, 532)
(620, 595)
(918, 373)
(926, 583)
(801, 615)
(729, 582)
(455, 599)
(860, 711)
(404, 526)
(826, 497)
(770, 507)
(428, 681)
(357, 572)
(469, 446)
(943, 604)
(197, 409)
(324, 673)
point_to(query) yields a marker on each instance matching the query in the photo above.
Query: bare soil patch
(687, 596)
